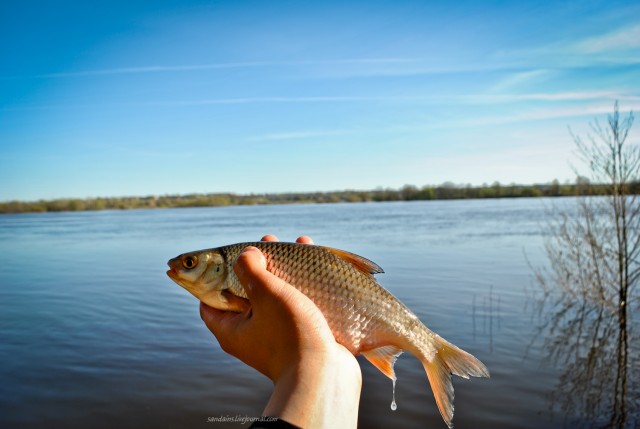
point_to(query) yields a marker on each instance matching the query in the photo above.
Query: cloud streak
(591, 110)
(625, 38)
(224, 66)
(469, 99)
(300, 135)
(619, 47)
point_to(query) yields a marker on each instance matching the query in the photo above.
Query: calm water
(93, 333)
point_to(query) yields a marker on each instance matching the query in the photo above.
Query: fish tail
(442, 360)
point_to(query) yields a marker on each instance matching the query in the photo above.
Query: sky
(126, 98)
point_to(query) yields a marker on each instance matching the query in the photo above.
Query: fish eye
(189, 262)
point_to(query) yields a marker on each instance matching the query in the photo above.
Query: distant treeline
(446, 191)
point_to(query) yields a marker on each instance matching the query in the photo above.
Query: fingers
(210, 315)
(222, 324)
(304, 239)
(215, 318)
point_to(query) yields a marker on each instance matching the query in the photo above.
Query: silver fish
(363, 316)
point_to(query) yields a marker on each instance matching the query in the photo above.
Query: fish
(364, 317)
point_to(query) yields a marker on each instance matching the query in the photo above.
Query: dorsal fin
(362, 264)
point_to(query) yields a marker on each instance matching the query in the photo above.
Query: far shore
(446, 191)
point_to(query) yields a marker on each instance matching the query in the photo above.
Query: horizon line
(445, 184)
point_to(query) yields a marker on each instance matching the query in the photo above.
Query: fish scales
(363, 316)
(354, 304)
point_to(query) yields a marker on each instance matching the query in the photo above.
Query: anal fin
(384, 358)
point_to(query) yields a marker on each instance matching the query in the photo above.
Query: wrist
(321, 390)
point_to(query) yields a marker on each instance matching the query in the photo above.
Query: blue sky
(172, 97)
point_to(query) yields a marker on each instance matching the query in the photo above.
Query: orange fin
(362, 264)
(384, 358)
(449, 359)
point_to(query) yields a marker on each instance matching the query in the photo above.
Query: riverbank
(446, 191)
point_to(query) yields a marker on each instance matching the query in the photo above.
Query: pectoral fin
(225, 300)
(384, 358)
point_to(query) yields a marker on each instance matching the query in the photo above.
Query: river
(93, 333)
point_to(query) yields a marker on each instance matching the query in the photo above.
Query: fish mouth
(173, 275)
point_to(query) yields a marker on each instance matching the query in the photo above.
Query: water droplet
(393, 401)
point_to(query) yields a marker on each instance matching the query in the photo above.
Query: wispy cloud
(621, 39)
(222, 66)
(300, 135)
(470, 99)
(551, 96)
(593, 104)
(154, 69)
(521, 78)
(420, 99)
(619, 47)
(222, 101)
(588, 110)
(328, 69)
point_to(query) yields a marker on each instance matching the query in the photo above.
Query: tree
(554, 188)
(593, 250)
(582, 185)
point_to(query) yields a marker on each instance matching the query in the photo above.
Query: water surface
(93, 333)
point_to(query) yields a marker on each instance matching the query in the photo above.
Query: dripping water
(393, 401)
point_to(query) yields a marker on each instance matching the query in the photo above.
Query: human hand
(284, 335)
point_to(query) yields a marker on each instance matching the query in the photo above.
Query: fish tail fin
(440, 362)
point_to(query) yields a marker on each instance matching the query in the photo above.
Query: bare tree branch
(594, 267)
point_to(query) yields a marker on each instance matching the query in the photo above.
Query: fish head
(204, 273)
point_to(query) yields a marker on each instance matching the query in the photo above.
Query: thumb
(260, 284)
(251, 269)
